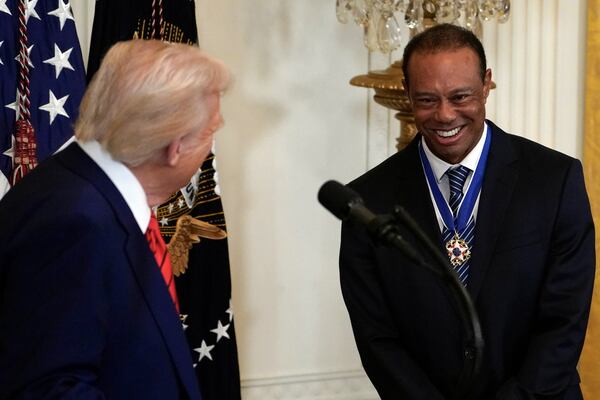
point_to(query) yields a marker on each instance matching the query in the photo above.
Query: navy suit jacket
(531, 279)
(84, 310)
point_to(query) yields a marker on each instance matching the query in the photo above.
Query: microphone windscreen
(338, 198)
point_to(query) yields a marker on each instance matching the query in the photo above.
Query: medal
(458, 250)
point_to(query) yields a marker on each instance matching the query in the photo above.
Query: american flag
(55, 76)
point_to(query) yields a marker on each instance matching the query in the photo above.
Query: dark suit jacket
(531, 278)
(84, 310)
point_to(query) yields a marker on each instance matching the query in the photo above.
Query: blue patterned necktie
(457, 178)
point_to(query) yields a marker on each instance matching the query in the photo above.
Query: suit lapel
(161, 306)
(142, 262)
(414, 195)
(497, 189)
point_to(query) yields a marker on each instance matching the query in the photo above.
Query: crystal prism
(342, 10)
(388, 33)
(414, 14)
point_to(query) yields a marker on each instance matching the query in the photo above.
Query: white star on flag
(63, 13)
(230, 311)
(4, 7)
(60, 60)
(11, 151)
(180, 203)
(204, 351)
(18, 57)
(13, 106)
(30, 10)
(171, 207)
(221, 331)
(55, 106)
(164, 221)
(56, 78)
(183, 318)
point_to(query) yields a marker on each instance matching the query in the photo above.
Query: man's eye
(425, 101)
(460, 97)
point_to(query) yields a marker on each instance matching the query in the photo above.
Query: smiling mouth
(447, 134)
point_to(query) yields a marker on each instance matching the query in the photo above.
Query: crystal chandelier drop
(379, 18)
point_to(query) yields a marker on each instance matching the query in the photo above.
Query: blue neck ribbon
(468, 202)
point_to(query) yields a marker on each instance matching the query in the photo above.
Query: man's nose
(445, 112)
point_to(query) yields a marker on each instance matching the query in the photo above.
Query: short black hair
(443, 37)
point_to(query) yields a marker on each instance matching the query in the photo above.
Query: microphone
(347, 205)
(344, 203)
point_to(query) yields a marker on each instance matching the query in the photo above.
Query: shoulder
(533, 157)
(399, 165)
(54, 204)
(538, 177)
(527, 151)
(51, 187)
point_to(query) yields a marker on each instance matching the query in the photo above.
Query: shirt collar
(123, 179)
(440, 166)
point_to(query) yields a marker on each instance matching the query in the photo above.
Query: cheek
(206, 145)
(421, 115)
(474, 110)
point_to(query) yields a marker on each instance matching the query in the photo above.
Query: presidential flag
(202, 279)
(42, 80)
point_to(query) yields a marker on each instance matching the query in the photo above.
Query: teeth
(448, 133)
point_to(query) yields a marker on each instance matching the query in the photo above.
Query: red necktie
(161, 254)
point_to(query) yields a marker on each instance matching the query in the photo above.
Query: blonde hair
(145, 94)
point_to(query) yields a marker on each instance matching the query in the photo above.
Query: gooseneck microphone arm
(347, 205)
(473, 352)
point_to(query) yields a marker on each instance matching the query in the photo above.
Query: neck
(147, 176)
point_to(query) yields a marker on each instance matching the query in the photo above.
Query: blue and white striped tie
(457, 177)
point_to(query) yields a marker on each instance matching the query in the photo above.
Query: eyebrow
(452, 93)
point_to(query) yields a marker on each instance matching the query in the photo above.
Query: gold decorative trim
(589, 366)
(188, 231)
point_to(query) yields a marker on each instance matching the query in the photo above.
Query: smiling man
(513, 218)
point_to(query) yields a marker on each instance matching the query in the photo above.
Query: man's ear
(487, 82)
(173, 152)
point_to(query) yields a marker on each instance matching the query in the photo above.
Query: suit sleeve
(548, 371)
(54, 313)
(391, 370)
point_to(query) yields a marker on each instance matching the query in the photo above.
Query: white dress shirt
(124, 180)
(439, 168)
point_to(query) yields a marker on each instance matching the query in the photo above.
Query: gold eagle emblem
(188, 231)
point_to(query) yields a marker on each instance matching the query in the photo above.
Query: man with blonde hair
(87, 306)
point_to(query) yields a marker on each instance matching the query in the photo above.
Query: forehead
(446, 66)
(459, 57)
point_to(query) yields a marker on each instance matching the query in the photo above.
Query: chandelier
(379, 18)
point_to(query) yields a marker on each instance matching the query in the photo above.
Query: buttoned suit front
(531, 278)
(84, 310)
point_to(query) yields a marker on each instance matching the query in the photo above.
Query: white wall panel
(533, 50)
(292, 121)
(570, 76)
(382, 127)
(83, 12)
(547, 74)
(537, 59)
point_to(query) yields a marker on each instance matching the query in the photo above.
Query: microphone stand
(385, 229)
